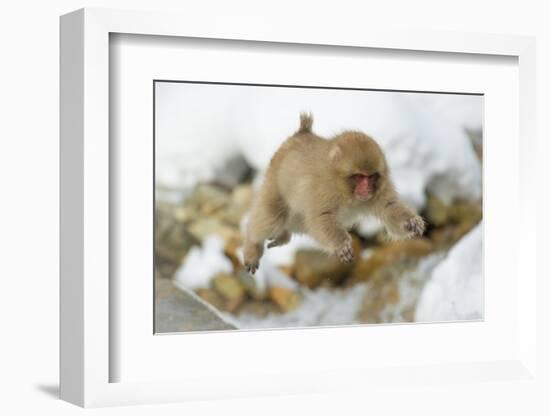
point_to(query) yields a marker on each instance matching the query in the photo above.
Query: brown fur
(307, 189)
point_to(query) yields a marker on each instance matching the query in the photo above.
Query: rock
(286, 299)
(164, 288)
(439, 213)
(241, 199)
(287, 269)
(164, 217)
(174, 244)
(231, 216)
(250, 285)
(231, 289)
(381, 293)
(408, 313)
(172, 240)
(165, 269)
(445, 237)
(203, 227)
(466, 211)
(452, 221)
(242, 196)
(392, 290)
(313, 268)
(233, 172)
(179, 310)
(231, 250)
(185, 214)
(207, 199)
(212, 297)
(260, 309)
(390, 254)
(476, 138)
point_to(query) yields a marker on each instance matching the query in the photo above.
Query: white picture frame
(85, 217)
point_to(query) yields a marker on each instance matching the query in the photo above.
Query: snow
(460, 109)
(200, 127)
(455, 290)
(452, 292)
(284, 255)
(203, 129)
(331, 306)
(203, 263)
(268, 275)
(320, 307)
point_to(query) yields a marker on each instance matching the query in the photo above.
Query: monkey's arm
(400, 220)
(323, 226)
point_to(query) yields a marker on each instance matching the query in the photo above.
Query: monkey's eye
(355, 178)
(374, 179)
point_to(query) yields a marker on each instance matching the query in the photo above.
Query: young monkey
(322, 187)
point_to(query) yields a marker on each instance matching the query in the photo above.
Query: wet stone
(178, 310)
(405, 251)
(230, 288)
(286, 299)
(250, 286)
(313, 268)
(203, 227)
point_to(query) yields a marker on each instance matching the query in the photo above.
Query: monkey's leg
(400, 220)
(267, 220)
(325, 228)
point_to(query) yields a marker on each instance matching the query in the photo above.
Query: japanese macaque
(322, 188)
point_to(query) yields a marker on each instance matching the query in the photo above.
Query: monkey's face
(361, 164)
(364, 186)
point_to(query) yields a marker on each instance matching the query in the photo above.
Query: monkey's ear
(335, 152)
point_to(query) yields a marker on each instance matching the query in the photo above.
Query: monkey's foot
(251, 267)
(415, 226)
(345, 254)
(252, 252)
(281, 240)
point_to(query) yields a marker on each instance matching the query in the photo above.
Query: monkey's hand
(414, 226)
(345, 253)
(401, 221)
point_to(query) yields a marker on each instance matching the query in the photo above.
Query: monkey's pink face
(364, 186)
(359, 160)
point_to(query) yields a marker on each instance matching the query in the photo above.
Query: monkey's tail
(306, 122)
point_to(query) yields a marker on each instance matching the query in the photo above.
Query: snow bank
(200, 126)
(455, 290)
(203, 263)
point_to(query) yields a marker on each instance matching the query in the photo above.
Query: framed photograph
(238, 207)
